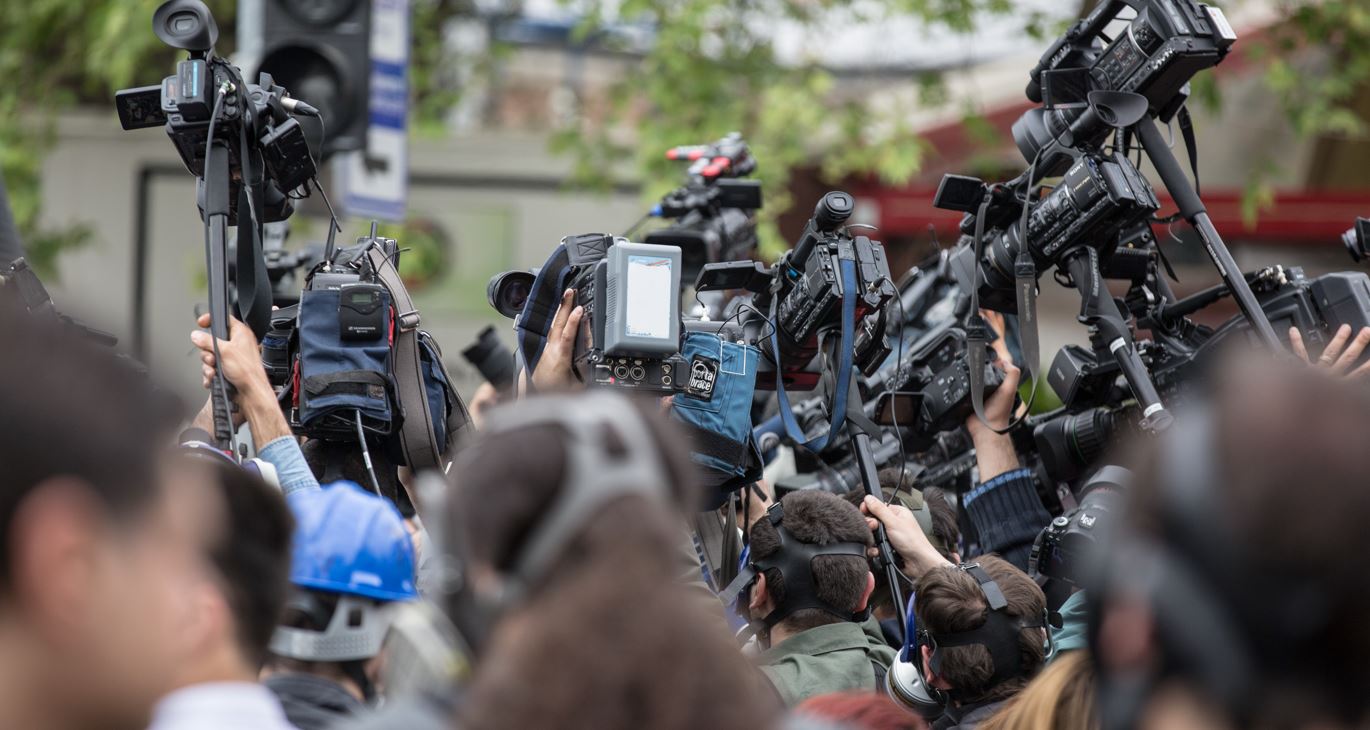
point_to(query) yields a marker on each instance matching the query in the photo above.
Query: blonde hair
(1062, 696)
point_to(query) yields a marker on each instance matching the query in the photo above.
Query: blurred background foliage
(711, 68)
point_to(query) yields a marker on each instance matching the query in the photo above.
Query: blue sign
(375, 180)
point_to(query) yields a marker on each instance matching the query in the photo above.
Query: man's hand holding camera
(906, 536)
(554, 369)
(994, 452)
(241, 365)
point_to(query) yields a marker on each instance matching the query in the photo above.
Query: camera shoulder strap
(977, 334)
(419, 443)
(254, 297)
(1191, 144)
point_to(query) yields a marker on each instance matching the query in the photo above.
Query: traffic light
(320, 51)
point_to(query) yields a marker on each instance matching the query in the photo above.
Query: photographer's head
(515, 481)
(244, 582)
(982, 632)
(840, 584)
(1234, 592)
(96, 550)
(568, 516)
(352, 559)
(335, 461)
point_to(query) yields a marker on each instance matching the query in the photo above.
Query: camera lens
(1355, 239)
(494, 361)
(1070, 443)
(508, 292)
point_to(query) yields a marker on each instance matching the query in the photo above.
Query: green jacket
(832, 658)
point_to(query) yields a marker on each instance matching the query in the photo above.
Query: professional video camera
(714, 213)
(350, 363)
(929, 392)
(1100, 197)
(1179, 353)
(1162, 46)
(208, 93)
(1101, 200)
(831, 281)
(632, 323)
(829, 293)
(250, 157)
(1094, 86)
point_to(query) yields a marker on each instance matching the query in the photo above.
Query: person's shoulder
(413, 714)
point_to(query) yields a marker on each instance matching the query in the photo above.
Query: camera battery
(189, 92)
(361, 312)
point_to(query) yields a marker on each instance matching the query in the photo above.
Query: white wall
(92, 177)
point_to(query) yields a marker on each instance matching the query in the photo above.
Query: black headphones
(998, 634)
(794, 560)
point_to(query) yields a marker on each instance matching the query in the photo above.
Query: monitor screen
(649, 297)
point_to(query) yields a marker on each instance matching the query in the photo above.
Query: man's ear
(866, 594)
(759, 603)
(54, 547)
(932, 678)
(208, 617)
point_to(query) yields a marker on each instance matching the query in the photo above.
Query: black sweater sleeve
(1007, 514)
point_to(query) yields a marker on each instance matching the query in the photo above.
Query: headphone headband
(794, 559)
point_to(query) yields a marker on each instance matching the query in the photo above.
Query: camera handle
(870, 480)
(1098, 309)
(1193, 210)
(215, 186)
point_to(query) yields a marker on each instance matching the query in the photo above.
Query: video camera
(208, 92)
(801, 296)
(1155, 55)
(714, 213)
(350, 363)
(248, 154)
(1100, 198)
(631, 295)
(929, 392)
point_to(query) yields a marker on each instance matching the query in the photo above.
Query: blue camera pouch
(340, 377)
(716, 406)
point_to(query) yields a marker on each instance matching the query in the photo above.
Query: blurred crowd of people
(552, 576)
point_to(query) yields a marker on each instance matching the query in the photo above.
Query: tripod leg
(1192, 208)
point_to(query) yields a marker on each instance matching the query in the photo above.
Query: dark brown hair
(612, 639)
(73, 409)
(944, 525)
(949, 600)
(252, 552)
(817, 518)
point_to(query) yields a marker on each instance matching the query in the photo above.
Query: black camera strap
(1191, 144)
(254, 300)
